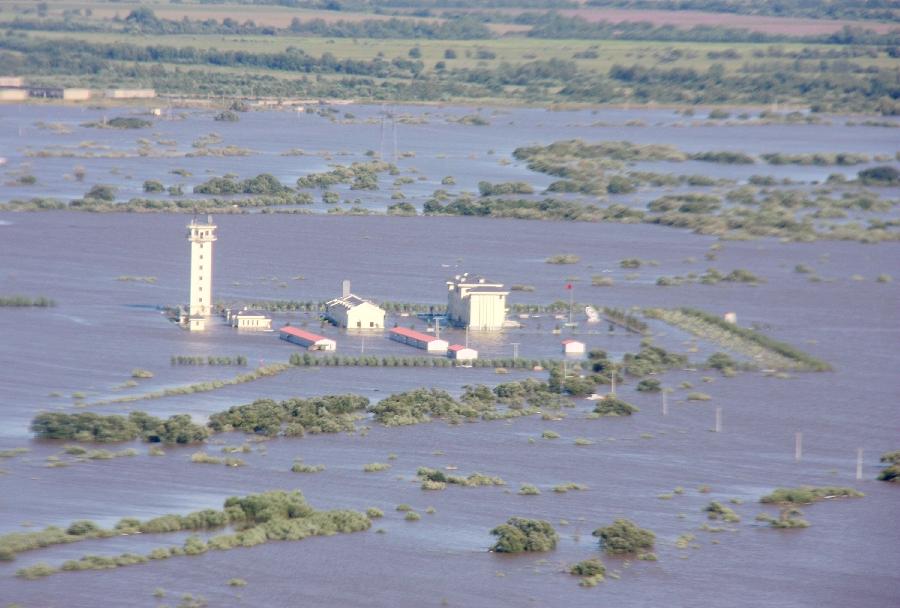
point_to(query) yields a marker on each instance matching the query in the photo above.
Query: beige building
(12, 81)
(13, 94)
(76, 94)
(249, 319)
(476, 303)
(353, 312)
(573, 347)
(201, 235)
(459, 352)
(131, 93)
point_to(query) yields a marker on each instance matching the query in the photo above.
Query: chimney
(345, 288)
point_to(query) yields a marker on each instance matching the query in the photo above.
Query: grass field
(510, 50)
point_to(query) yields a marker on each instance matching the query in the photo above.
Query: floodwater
(102, 328)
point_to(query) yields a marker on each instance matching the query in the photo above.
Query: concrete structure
(573, 347)
(306, 339)
(13, 94)
(419, 340)
(353, 312)
(249, 319)
(476, 303)
(202, 236)
(459, 352)
(131, 93)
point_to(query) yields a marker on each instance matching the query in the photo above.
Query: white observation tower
(202, 235)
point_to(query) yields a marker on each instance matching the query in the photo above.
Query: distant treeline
(881, 10)
(144, 21)
(549, 25)
(310, 360)
(210, 360)
(25, 301)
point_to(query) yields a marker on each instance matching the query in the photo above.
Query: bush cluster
(518, 535)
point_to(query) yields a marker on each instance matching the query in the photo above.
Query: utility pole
(515, 346)
(798, 446)
(859, 463)
(718, 420)
(665, 402)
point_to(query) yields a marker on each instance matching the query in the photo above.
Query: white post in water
(859, 460)
(798, 446)
(718, 420)
(612, 388)
(515, 346)
(362, 346)
(665, 402)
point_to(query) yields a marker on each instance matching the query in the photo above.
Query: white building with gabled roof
(353, 312)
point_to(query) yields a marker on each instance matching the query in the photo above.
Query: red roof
(293, 331)
(415, 335)
(570, 341)
(457, 347)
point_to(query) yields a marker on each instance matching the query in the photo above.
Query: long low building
(419, 340)
(462, 353)
(306, 339)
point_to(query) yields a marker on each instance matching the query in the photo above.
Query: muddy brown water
(103, 328)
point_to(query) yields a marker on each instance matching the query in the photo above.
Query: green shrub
(808, 494)
(716, 510)
(529, 490)
(38, 570)
(788, 517)
(624, 537)
(518, 535)
(649, 385)
(82, 527)
(152, 185)
(588, 567)
(374, 513)
(299, 467)
(563, 258)
(375, 467)
(565, 487)
(611, 405)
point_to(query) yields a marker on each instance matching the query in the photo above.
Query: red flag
(568, 286)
